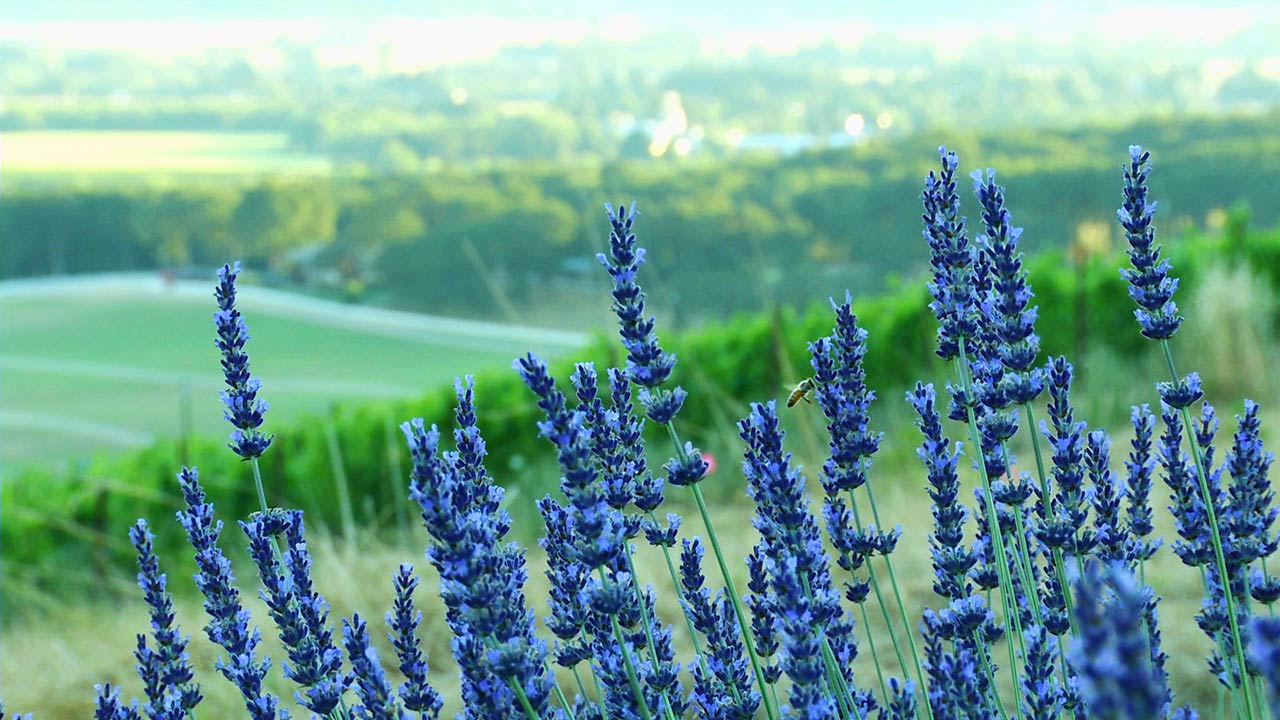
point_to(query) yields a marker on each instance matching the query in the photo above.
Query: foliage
(733, 235)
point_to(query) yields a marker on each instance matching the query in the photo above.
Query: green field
(38, 155)
(83, 372)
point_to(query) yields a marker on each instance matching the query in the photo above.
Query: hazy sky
(436, 31)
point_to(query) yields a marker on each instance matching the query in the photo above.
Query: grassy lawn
(40, 155)
(81, 374)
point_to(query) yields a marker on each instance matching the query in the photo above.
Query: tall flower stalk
(1152, 288)
(845, 399)
(957, 305)
(244, 409)
(649, 366)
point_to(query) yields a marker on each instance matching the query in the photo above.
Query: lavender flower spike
(952, 559)
(300, 613)
(951, 258)
(166, 669)
(374, 690)
(1149, 283)
(403, 619)
(107, 705)
(1113, 658)
(647, 364)
(228, 620)
(244, 409)
(1014, 322)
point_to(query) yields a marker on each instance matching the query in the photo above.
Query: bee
(802, 391)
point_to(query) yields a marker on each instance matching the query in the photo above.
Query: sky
(424, 34)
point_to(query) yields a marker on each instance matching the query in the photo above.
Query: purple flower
(1140, 467)
(372, 687)
(228, 620)
(599, 531)
(647, 364)
(812, 620)
(301, 615)
(244, 409)
(950, 257)
(1014, 322)
(722, 680)
(403, 619)
(1195, 546)
(845, 399)
(481, 583)
(1106, 498)
(1264, 652)
(902, 703)
(1118, 664)
(958, 688)
(166, 669)
(1065, 527)
(1040, 695)
(1252, 514)
(107, 705)
(1149, 283)
(1181, 394)
(952, 559)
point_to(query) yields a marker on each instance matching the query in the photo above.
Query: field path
(432, 329)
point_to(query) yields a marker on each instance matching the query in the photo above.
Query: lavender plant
(1055, 572)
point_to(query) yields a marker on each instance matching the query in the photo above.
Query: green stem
(648, 626)
(560, 698)
(902, 608)
(684, 608)
(875, 586)
(524, 699)
(875, 656)
(1024, 558)
(257, 481)
(743, 624)
(1024, 566)
(1059, 566)
(1008, 600)
(990, 673)
(1219, 557)
(632, 679)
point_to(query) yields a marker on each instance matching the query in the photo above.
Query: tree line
(730, 235)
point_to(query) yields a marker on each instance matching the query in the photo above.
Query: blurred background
(416, 191)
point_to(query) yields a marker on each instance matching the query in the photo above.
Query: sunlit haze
(405, 37)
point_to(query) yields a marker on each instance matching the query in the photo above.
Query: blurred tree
(278, 216)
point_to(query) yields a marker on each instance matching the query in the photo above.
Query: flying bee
(802, 391)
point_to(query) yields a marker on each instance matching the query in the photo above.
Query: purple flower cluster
(244, 410)
(1149, 283)
(482, 580)
(228, 625)
(951, 258)
(810, 619)
(1118, 664)
(952, 559)
(1013, 322)
(301, 615)
(165, 669)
